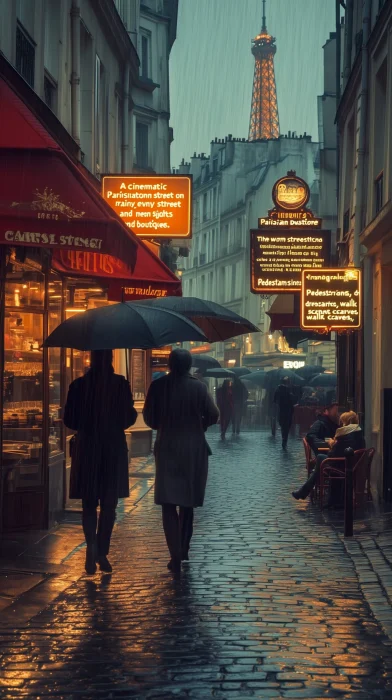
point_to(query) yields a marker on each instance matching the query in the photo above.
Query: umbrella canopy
(126, 325)
(204, 362)
(216, 322)
(257, 378)
(219, 373)
(326, 379)
(310, 371)
(274, 376)
(240, 371)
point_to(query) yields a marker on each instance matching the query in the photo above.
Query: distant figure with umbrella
(224, 398)
(180, 408)
(240, 397)
(99, 407)
(285, 402)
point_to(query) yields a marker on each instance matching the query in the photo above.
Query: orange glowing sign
(291, 192)
(331, 299)
(153, 206)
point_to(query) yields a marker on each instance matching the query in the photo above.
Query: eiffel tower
(264, 117)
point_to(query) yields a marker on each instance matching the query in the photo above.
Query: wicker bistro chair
(334, 468)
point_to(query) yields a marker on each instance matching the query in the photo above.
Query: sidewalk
(269, 606)
(371, 552)
(36, 566)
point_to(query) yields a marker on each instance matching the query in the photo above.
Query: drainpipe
(75, 74)
(125, 122)
(359, 206)
(348, 39)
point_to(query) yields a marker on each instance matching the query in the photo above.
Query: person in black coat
(240, 396)
(99, 407)
(285, 401)
(348, 435)
(324, 428)
(180, 409)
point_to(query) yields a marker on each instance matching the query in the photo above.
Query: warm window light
(270, 336)
(74, 311)
(232, 362)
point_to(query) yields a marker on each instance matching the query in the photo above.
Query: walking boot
(298, 495)
(104, 564)
(174, 565)
(91, 559)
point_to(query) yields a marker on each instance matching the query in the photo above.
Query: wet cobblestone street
(269, 605)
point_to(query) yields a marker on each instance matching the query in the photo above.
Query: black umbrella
(275, 376)
(309, 371)
(204, 362)
(258, 378)
(219, 373)
(326, 379)
(240, 371)
(126, 325)
(217, 322)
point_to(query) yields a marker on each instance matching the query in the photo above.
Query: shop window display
(23, 398)
(54, 361)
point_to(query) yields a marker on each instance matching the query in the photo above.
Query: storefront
(58, 243)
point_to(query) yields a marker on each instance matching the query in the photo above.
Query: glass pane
(54, 356)
(23, 394)
(24, 286)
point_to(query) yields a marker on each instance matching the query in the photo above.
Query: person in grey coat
(180, 408)
(99, 407)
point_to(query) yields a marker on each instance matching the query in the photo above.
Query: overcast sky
(212, 67)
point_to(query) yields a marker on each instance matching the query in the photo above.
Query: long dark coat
(100, 407)
(181, 410)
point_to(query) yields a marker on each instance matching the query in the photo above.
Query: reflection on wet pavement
(269, 605)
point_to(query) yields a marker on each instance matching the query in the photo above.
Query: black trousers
(99, 531)
(178, 529)
(285, 425)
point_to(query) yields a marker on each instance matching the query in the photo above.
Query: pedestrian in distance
(224, 399)
(240, 397)
(99, 407)
(180, 409)
(324, 428)
(349, 434)
(285, 402)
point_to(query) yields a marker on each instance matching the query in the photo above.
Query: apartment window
(379, 194)
(233, 281)
(205, 212)
(222, 157)
(25, 55)
(50, 89)
(380, 128)
(215, 166)
(100, 115)
(142, 158)
(145, 54)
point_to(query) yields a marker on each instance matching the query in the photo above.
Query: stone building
(365, 221)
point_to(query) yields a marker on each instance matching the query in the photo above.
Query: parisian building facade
(365, 221)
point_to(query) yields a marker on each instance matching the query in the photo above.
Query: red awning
(150, 277)
(45, 200)
(283, 313)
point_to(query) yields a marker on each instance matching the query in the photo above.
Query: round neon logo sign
(291, 193)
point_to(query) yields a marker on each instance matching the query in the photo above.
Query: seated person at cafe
(323, 428)
(348, 435)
